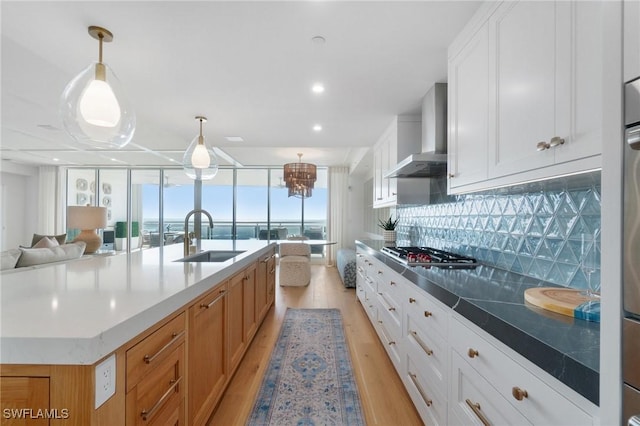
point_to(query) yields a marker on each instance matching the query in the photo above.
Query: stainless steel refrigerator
(631, 256)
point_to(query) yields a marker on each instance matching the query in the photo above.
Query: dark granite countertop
(493, 299)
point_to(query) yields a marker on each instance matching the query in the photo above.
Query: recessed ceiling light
(234, 138)
(317, 127)
(317, 88)
(318, 39)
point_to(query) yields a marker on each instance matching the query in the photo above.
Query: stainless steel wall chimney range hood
(432, 161)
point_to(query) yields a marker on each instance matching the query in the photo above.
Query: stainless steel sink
(211, 256)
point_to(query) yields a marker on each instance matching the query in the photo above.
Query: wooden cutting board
(565, 301)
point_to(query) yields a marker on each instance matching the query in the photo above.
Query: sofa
(346, 263)
(44, 250)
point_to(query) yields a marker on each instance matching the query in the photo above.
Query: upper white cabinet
(538, 88)
(468, 111)
(400, 139)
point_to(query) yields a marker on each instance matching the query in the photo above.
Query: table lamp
(87, 219)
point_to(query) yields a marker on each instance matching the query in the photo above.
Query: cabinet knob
(452, 175)
(391, 309)
(518, 393)
(541, 146)
(472, 353)
(379, 272)
(427, 314)
(392, 283)
(555, 141)
(412, 300)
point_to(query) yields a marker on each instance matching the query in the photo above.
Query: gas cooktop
(427, 256)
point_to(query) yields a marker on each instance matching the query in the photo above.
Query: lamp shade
(200, 161)
(94, 107)
(299, 178)
(86, 217)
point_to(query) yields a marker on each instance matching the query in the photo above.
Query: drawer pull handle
(174, 387)
(379, 272)
(555, 141)
(272, 270)
(392, 343)
(380, 321)
(174, 338)
(424, 347)
(478, 412)
(412, 300)
(472, 353)
(452, 175)
(420, 391)
(519, 394)
(427, 314)
(541, 146)
(205, 306)
(392, 282)
(392, 309)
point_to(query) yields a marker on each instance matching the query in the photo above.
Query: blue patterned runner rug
(309, 380)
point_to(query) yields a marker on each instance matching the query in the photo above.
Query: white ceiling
(247, 66)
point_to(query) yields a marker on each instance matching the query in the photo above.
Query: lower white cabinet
(454, 372)
(475, 401)
(476, 362)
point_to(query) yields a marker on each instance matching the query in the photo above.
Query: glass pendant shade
(94, 109)
(200, 162)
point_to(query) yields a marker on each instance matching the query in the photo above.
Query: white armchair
(295, 266)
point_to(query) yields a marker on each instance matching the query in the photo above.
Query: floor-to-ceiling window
(244, 203)
(217, 199)
(252, 199)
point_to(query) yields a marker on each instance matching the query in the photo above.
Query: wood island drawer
(538, 401)
(158, 399)
(146, 355)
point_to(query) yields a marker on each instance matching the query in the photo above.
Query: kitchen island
(60, 322)
(484, 305)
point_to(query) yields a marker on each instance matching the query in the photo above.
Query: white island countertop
(79, 311)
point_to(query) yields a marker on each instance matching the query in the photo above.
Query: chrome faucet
(187, 239)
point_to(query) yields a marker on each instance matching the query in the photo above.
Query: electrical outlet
(105, 373)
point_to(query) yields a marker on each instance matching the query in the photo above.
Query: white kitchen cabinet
(544, 113)
(507, 387)
(426, 347)
(399, 140)
(468, 111)
(454, 372)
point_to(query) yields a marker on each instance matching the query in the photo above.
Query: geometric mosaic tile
(533, 230)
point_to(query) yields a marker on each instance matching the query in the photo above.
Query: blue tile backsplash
(533, 229)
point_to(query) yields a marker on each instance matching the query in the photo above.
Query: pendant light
(93, 107)
(300, 178)
(199, 161)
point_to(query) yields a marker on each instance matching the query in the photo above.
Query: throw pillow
(46, 242)
(9, 258)
(37, 237)
(38, 256)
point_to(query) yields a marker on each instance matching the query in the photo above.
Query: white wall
(355, 209)
(18, 218)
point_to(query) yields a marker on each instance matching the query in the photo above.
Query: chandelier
(299, 178)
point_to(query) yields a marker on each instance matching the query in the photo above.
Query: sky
(251, 205)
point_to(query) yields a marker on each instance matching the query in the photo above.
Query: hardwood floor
(383, 397)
